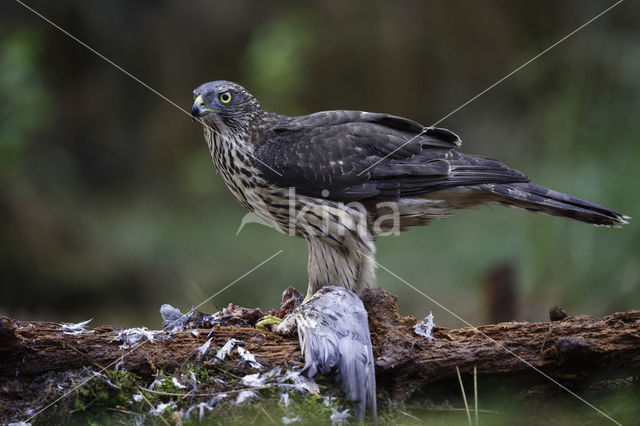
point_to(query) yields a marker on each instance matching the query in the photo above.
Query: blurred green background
(110, 206)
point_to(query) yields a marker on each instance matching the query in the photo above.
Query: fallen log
(570, 349)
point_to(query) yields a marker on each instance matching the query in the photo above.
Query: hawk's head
(225, 105)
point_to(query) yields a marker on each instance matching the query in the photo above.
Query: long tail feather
(543, 200)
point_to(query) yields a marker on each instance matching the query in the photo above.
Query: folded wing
(353, 155)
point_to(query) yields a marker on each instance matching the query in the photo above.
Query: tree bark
(571, 349)
(575, 347)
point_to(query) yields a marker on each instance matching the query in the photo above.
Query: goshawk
(339, 179)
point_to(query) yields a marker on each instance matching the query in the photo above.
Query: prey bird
(340, 178)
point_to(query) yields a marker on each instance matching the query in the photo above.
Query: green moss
(200, 372)
(108, 398)
(309, 408)
(97, 399)
(166, 385)
(115, 387)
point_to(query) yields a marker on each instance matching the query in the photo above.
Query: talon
(267, 321)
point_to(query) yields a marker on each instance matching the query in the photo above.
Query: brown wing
(353, 155)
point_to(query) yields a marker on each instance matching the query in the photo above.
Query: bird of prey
(339, 179)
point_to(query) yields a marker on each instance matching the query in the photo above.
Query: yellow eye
(225, 97)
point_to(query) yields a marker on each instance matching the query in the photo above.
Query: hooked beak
(198, 109)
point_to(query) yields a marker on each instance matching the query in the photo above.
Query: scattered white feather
(172, 319)
(105, 379)
(19, 424)
(202, 350)
(75, 329)
(195, 332)
(120, 364)
(132, 336)
(194, 381)
(329, 400)
(285, 400)
(138, 397)
(161, 408)
(287, 420)
(98, 374)
(339, 417)
(177, 384)
(302, 383)
(217, 398)
(248, 358)
(274, 372)
(425, 327)
(253, 380)
(226, 349)
(201, 407)
(246, 395)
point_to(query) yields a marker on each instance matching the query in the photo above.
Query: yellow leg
(267, 321)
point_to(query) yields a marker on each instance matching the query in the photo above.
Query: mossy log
(573, 348)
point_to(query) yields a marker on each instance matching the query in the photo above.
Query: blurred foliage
(21, 89)
(275, 58)
(109, 205)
